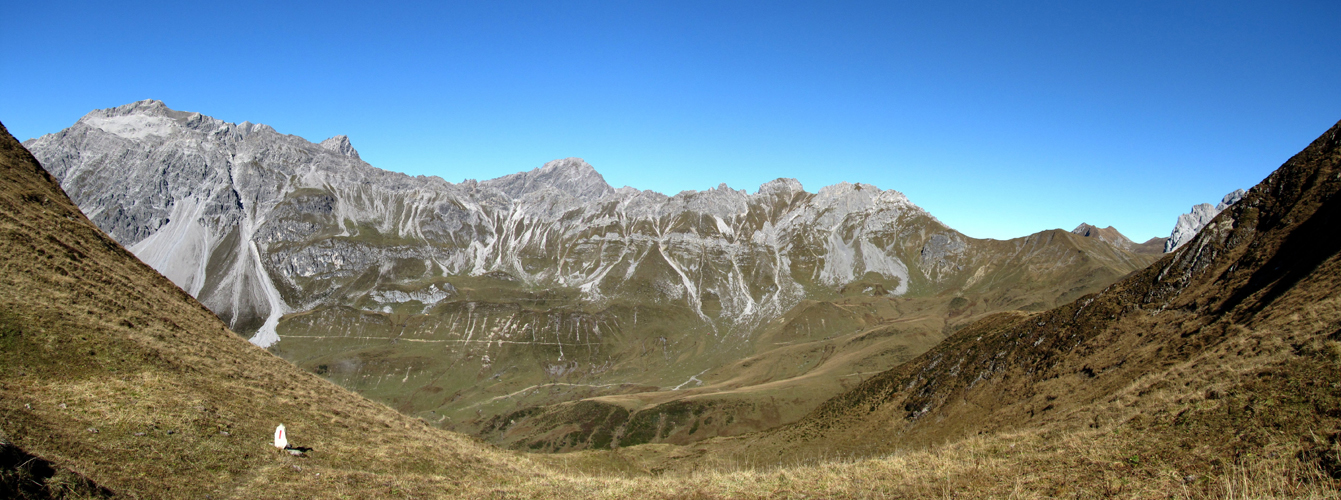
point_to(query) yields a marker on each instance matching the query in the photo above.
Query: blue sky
(1000, 118)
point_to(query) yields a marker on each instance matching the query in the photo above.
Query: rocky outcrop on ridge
(1191, 222)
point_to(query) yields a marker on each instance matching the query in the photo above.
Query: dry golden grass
(1034, 464)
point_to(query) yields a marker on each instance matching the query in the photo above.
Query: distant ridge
(1107, 235)
(1111, 236)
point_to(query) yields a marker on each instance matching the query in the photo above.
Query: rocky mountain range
(507, 306)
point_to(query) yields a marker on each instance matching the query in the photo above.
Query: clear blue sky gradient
(1000, 118)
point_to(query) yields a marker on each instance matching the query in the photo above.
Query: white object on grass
(281, 437)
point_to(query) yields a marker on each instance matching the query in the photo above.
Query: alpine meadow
(670, 250)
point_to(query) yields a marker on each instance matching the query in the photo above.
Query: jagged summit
(1108, 235)
(340, 144)
(1111, 236)
(136, 120)
(781, 185)
(142, 107)
(571, 175)
(1191, 222)
(1089, 230)
(848, 197)
(148, 118)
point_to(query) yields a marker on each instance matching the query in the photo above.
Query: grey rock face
(1190, 223)
(1230, 199)
(939, 252)
(340, 145)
